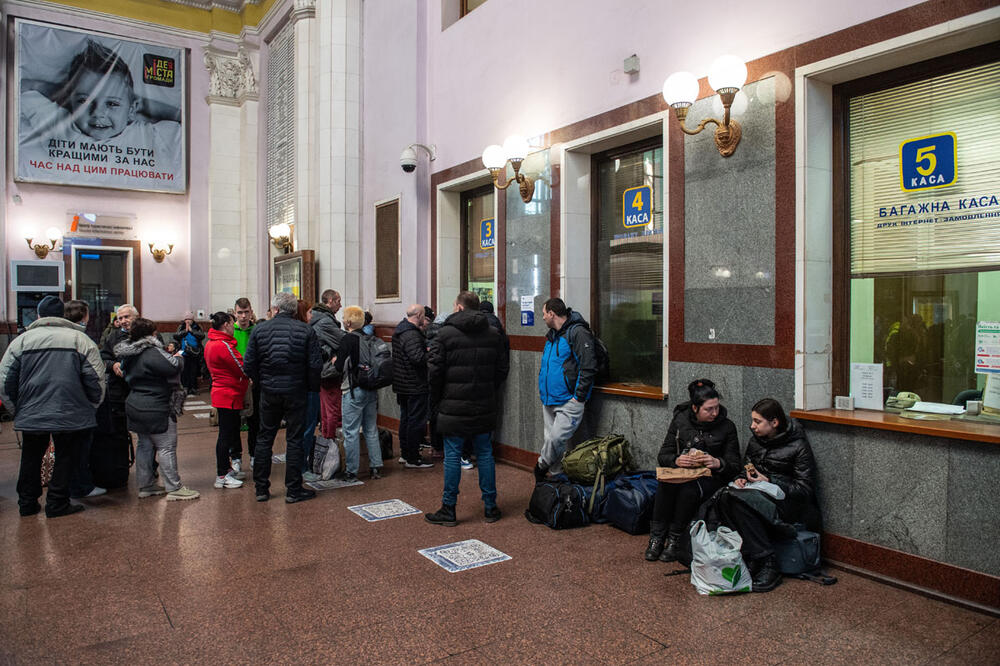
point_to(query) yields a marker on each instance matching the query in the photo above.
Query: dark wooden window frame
(842, 95)
(463, 223)
(379, 298)
(650, 143)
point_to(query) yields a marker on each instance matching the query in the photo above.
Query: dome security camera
(408, 160)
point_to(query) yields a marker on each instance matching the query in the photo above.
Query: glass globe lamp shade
(280, 230)
(493, 157)
(680, 89)
(727, 73)
(53, 233)
(515, 147)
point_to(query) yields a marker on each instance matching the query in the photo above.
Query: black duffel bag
(559, 504)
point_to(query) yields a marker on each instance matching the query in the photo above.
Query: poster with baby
(98, 111)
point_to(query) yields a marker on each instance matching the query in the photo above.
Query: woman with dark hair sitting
(229, 386)
(155, 399)
(778, 452)
(700, 437)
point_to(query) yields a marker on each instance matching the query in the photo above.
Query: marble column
(232, 208)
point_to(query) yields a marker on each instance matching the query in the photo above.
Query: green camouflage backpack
(597, 460)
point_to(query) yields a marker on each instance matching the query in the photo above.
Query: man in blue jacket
(565, 380)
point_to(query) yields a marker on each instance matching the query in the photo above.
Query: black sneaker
(68, 510)
(376, 473)
(492, 515)
(443, 516)
(349, 477)
(263, 495)
(300, 495)
(30, 510)
(418, 463)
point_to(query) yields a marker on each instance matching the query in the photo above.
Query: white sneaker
(228, 481)
(467, 464)
(236, 466)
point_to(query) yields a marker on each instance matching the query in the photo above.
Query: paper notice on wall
(987, 347)
(866, 385)
(991, 395)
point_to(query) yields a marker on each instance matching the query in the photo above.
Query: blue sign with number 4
(928, 162)
(637, 206)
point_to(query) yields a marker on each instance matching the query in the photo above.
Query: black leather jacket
(717, 438)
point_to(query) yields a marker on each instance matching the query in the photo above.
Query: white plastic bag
(716, 564)
(331, 462)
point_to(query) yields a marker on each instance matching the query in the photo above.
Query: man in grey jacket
(53, 377)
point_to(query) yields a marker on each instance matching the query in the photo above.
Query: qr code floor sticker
(464, 555)
(384, 510)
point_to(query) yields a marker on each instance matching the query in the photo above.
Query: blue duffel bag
(627, 502)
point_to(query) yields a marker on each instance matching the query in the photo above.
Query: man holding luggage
(565, 380)
(466, 365)
(53, 379)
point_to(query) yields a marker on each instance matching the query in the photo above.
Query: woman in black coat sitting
(779, 452)
(700, 436)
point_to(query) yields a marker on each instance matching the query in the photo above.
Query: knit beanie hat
(50, 306)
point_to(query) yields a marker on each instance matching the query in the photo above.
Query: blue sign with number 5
(928, 162)
(487, 234)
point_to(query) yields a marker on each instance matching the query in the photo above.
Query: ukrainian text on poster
(98, 111)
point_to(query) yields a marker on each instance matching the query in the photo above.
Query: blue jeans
(359, 413)
(483, 447)
(312, 420)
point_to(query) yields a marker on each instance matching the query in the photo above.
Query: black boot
(654, 548)
(768, 574)
(443, 516)
(540, 473)
(669, 553)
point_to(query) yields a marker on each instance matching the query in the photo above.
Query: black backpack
(602, 357)
(374, 363)
(559, 505)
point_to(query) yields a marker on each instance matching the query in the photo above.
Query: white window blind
(279, 186)
(947, 228)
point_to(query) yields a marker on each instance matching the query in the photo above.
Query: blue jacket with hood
(569, 362)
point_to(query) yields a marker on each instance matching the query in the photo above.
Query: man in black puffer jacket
(284, 359)
(466, 365)
(409, 383)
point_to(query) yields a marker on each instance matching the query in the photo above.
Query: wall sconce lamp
(159, 254)
(514, 150)
(42, 250)
(727, 75)
(281, 236)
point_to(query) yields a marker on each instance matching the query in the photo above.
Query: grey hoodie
(52, 377)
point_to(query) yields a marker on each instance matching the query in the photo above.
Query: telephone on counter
(900, 401)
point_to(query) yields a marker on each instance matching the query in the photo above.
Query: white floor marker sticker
(464, 555)
(384, 510)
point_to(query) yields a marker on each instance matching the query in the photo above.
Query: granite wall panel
(973, 536)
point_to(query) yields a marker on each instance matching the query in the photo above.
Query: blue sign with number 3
(928, 162)
(487, 234)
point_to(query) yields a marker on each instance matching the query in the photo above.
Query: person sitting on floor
(700, 436)
(779, 453)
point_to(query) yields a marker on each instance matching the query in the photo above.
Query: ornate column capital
(303, 9)
(232, 77)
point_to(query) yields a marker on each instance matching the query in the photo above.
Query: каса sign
(928, 162)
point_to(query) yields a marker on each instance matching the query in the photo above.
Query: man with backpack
(466, 364)
(284, 359)
(409, 383)
(565, 380)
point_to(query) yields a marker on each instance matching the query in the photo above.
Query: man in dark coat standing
(466, 365)
(284, 358)
(409, 383)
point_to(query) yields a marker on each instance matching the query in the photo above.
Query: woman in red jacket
(229, 385)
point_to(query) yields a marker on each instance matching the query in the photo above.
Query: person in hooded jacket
(465, 367)
(565, 381)
(52, 379)
(700, 435)
(780, 453)
(154, 401)
(190, 338)
(329, 333)
(229, 387)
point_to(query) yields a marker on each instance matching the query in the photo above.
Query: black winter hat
(50, 306)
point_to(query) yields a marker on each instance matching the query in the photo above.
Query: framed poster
(295, 273)
(98, 111)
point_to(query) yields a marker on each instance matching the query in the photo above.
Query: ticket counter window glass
(923, 195)
(628, 262)
(479, 240)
